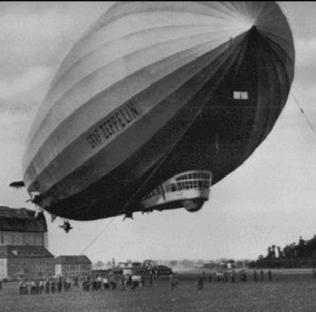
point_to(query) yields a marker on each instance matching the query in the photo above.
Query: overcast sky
(271, 199)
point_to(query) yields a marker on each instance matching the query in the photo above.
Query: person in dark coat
(255, 276)
(210, 278)
(33, 287)
(59, 285)
(53, 286)
(173, 281)
(200, 283)
(22, 287)
(151, 277)
(47, 286)
(233, 277)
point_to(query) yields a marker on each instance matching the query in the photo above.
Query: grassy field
(287, 292)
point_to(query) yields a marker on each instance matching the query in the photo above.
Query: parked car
(161, 270)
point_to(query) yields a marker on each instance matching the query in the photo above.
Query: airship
(156, 102)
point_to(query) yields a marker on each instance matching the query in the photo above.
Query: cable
(97, 236)
(303, 113)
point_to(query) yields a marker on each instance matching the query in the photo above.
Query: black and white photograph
(157, 156)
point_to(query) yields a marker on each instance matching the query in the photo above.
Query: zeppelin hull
(199, 87)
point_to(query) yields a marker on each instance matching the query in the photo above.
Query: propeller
(66, 226)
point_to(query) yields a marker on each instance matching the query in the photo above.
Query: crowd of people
(111, 282)
(60, 284)
(233, 276)
(129, 282)
(47, 286)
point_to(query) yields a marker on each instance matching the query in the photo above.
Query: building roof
(24, 252)
(21, 220)
(72, 260)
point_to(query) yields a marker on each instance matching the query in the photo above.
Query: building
(73, 266)
(23, 245)
(19, 227)
(28, 262)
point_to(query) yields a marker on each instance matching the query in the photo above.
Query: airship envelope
(152, 90)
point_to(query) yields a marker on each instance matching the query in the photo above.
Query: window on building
(240, 95)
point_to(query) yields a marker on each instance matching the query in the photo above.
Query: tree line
(293, 255)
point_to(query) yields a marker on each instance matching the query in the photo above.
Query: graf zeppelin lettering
(114, 124)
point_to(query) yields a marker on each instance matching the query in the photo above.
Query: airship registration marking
(113, 124)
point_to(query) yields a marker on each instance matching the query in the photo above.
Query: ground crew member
(53, 286)
(151, 277)
(41, 286)
(33, 288)
(243, 276)
(210, 278)
(47, 286)
(21, 287)
(59, 285)
(105, 283)
(255, 277)
(225, 276)
(113, 284)
(200, 283)
(233, 276)
(173, 281)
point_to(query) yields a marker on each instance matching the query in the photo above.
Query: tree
(301, 247)
(99, 265)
